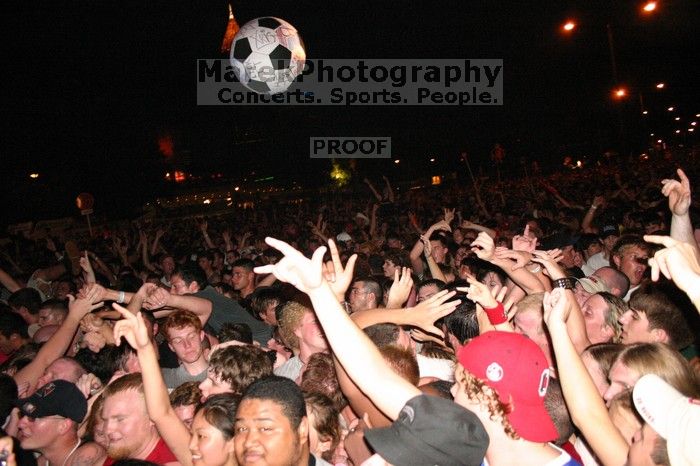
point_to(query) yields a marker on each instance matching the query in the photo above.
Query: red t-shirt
(161, 454)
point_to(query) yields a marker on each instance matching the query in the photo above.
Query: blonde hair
(477, 389)
(664, 361)
(290, 319)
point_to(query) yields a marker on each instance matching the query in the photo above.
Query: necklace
(68, 455)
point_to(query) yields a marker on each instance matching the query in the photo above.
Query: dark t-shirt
(227, 310)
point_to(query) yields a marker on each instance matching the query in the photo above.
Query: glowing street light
(693, 123)
(645, 112)
(620, 92)
(649, 7)
(34, 176)
(661, 85)
(677, 118)
(670, 109)
(691, 130)
(678, 131)
(397, 161)
(569, 26)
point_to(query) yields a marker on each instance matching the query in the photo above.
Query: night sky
(90, 87)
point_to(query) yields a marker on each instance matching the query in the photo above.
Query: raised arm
(678, 261)
(679, 200)
(587, 408)
(59, 342)
(174, 433)
(355, 351)
(9, 282)
(160, 298)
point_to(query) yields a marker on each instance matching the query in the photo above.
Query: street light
(649, 7)
(620, 92)
(569, 26)
(670, 109)
(661, 85)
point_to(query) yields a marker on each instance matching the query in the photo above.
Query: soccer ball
(267, 54)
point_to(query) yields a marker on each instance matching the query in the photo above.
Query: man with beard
(49, 425)
(184, 333)
(131, 432)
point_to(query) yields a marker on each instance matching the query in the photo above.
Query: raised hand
(479, 293)
(132, 328)
(401, 288)
(547, 260)
(88, 384)
(305, 274)
(526, 242)
(96, 291)
(157, 298)
(441, 225)
(449, 215)
(483, 246)
(81, 306)
(337, 276)
(424, 314)
(678, 193)
(678, 261)
(521, 258)
(556, 307)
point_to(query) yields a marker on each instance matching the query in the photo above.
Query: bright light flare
(620, 92)
(670, 109)
(34, 176)
(397, 161)
(569, 26)
(649, 7)
(661, 85)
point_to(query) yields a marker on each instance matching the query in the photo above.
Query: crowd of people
(545, 320)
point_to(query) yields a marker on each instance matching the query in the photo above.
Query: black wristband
(566, 283)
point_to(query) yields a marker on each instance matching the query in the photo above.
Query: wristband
(566, 283)
(497, 315)
(121, 298)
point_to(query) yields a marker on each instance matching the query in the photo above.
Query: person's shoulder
(89, 453)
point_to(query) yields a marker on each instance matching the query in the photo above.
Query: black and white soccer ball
(267, 54)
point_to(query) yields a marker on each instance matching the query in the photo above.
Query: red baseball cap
(515, 367)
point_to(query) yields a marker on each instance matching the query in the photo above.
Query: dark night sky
(89, 87)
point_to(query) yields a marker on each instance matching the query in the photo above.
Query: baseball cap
(516, 368)
(431, 430)
(673, 416)
(609, 230)
(593, 284)
(559, 241)
(56, 398)
(343, 236)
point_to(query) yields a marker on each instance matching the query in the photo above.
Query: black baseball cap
(434, 431)
(56, 398)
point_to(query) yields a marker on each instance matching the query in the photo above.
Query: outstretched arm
(679, 200)
(59, 342)
(355, 351)
(585, 404)
(133, 329)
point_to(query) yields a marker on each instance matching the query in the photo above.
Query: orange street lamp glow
(649, 7)
(661, 85)
(34, 176)
(569, 26)
(620, 93)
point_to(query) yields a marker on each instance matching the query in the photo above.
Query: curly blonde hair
(477, 389)
(289, 321)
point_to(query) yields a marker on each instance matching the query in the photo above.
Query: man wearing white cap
(670, 435)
